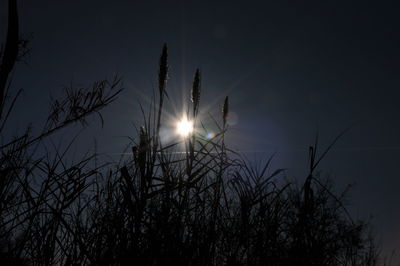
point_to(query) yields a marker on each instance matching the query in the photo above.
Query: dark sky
(290, 70)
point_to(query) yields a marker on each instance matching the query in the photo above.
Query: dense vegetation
(206, 205)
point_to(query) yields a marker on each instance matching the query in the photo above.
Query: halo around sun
(184, 127)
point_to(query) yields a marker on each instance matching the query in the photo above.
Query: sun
(184, 127)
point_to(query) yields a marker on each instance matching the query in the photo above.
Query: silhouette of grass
(205, 206)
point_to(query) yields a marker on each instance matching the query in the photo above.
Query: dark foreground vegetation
(204, 206)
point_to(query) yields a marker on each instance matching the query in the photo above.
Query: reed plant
(205, 205)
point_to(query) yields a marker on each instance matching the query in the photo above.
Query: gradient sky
(290, 70)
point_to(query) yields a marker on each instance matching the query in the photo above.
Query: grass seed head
(163, 72)
(196, 90)
(142, 152)
(225, 110)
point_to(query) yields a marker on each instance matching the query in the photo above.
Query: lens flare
(184, 127)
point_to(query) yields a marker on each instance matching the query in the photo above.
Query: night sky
(290, 70)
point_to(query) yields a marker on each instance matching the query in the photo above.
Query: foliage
(205, 206)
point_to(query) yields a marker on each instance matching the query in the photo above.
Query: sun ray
(184, 127)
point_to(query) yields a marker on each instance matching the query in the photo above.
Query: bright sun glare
(184, 127)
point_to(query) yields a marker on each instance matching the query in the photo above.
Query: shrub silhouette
(206, 205)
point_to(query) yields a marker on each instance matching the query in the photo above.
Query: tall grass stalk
(206, 206)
